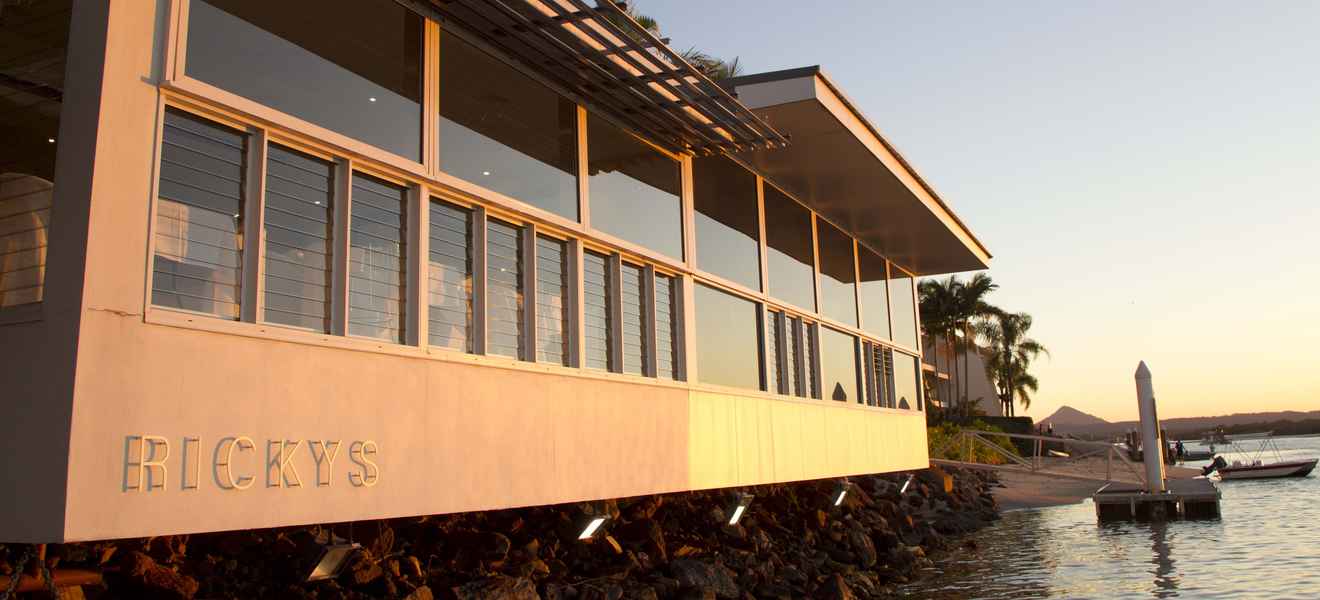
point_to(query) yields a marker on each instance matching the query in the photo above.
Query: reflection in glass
(634, 190)
(502, 130)
(837, 277)
(377, 259)
(874, 292)
(906, 387)
(903, 308)
(351, 66)
(728, 236)
(838, 365)
(665, 326)
(199, 217)
(504, 290)
(299, 229)
(727, 339)
(790, 257)
(551, 300)
(449, 321)
(632, 310)
(596, 311)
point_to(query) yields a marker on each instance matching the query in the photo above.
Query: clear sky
(1147, 174)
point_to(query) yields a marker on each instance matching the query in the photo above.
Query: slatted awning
(603, 58)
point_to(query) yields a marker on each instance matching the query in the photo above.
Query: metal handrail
(1035, 465)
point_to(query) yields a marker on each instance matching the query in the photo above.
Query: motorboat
(1254, 467)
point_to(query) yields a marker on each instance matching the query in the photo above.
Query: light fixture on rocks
(841, 492)
(592, 525)
(739, 507)
(907, 483)
(334, 557)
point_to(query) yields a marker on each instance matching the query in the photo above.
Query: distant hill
(1070, 418)
(1073, 421)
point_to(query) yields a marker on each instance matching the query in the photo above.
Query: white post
(1152, 448)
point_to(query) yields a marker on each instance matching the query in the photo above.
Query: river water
(1267, 545)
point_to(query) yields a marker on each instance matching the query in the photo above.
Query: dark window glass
(903, 309)
(551, 301)
(504, 131)
(906, 386)
(727, 339)
(633, 311)
(837, 277)
(199, 217)
(665, 326)
(728, 236)
(377, 259)
(351, 66)
(34, 38)
(504, 290)
(810, 383)
(874, 292)
(774, 359)
(838, 365)
(797, 384)
(299, 228)
(449, 293)
(634, 190)
(790, 258)
(596, 311)
(877, 376)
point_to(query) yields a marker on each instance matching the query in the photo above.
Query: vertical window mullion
(479, 280)
(253, 294)
(614, 301)
(343, 206)
(763, 355)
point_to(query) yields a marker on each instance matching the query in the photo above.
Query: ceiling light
(372, 99)
(50, 140)
(591, 528)
(486, 173)
(332, 561)
(739, 508)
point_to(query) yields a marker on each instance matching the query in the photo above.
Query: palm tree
(937, 300)
(970, 308)
(1011, 353)
(710, 66)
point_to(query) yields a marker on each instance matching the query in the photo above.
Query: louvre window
(774, 361)
(552, 301)
(797, 384)
(633, 312)
(199, 217)
(665, 327)
(299, 228)
(504, 290)
(377, 259)
(810, 386)
(24, 228)
(879, 376)
(596, 311)
(449, 324)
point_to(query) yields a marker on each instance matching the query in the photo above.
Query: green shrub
(940, 444)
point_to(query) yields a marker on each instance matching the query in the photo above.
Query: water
(1266, 546)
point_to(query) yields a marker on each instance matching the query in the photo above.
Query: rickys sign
(153, 463)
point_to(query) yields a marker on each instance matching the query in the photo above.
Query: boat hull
(1299, 468)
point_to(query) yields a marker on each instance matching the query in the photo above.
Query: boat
(1255, 468)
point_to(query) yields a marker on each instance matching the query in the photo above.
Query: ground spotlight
(333, 559)
(591, 527)
(739, 507)
(841, 492)
(907, 483)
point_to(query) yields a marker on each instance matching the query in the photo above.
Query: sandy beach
(1026, 490)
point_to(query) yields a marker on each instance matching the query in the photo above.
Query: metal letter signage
(148, 459)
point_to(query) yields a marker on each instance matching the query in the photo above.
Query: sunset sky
(1147, 175)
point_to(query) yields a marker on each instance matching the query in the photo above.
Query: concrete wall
(979, 389)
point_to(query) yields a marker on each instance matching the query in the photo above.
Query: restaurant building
(274, 263)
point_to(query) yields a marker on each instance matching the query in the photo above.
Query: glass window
(199, 217)
(502, 130)
(810, 385)
(874, 292)
(902, 308)
(790, 257)
(906, 386)
(633, 311)
(666, 326)
(728, 236)
(634, 189)
(797, 384)
(877, 375)
(377, 259)
(299, 227)
(838, 365)
(449, 293)
(504, 289)
(596, 318)
(32, 56)
(774, 370)
(350, 66)
(727, 340)
(551, 300)
(838, 298)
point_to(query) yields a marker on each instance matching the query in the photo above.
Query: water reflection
(1166, 578)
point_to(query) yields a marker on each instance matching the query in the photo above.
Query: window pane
(837, 298)
(905, 382)
(728, 236)
(665, 326)
(299, 229)
(633, 310)
(551, 301)
(504, 290)
(727, 340)
(878, 376)
(350, 66)
(449, 324)
(634, 190)
(790, 257)
(199, 217)
(502, 130)
(35, 38)
(596, 311)
(377, 260)
(838, 365)
(774, 374)
(797, 386)
(903, 309)
(874, 292)
(810, 387)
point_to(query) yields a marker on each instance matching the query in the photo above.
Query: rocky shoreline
(792, 543)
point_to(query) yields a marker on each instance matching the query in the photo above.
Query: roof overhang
(840, 165)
